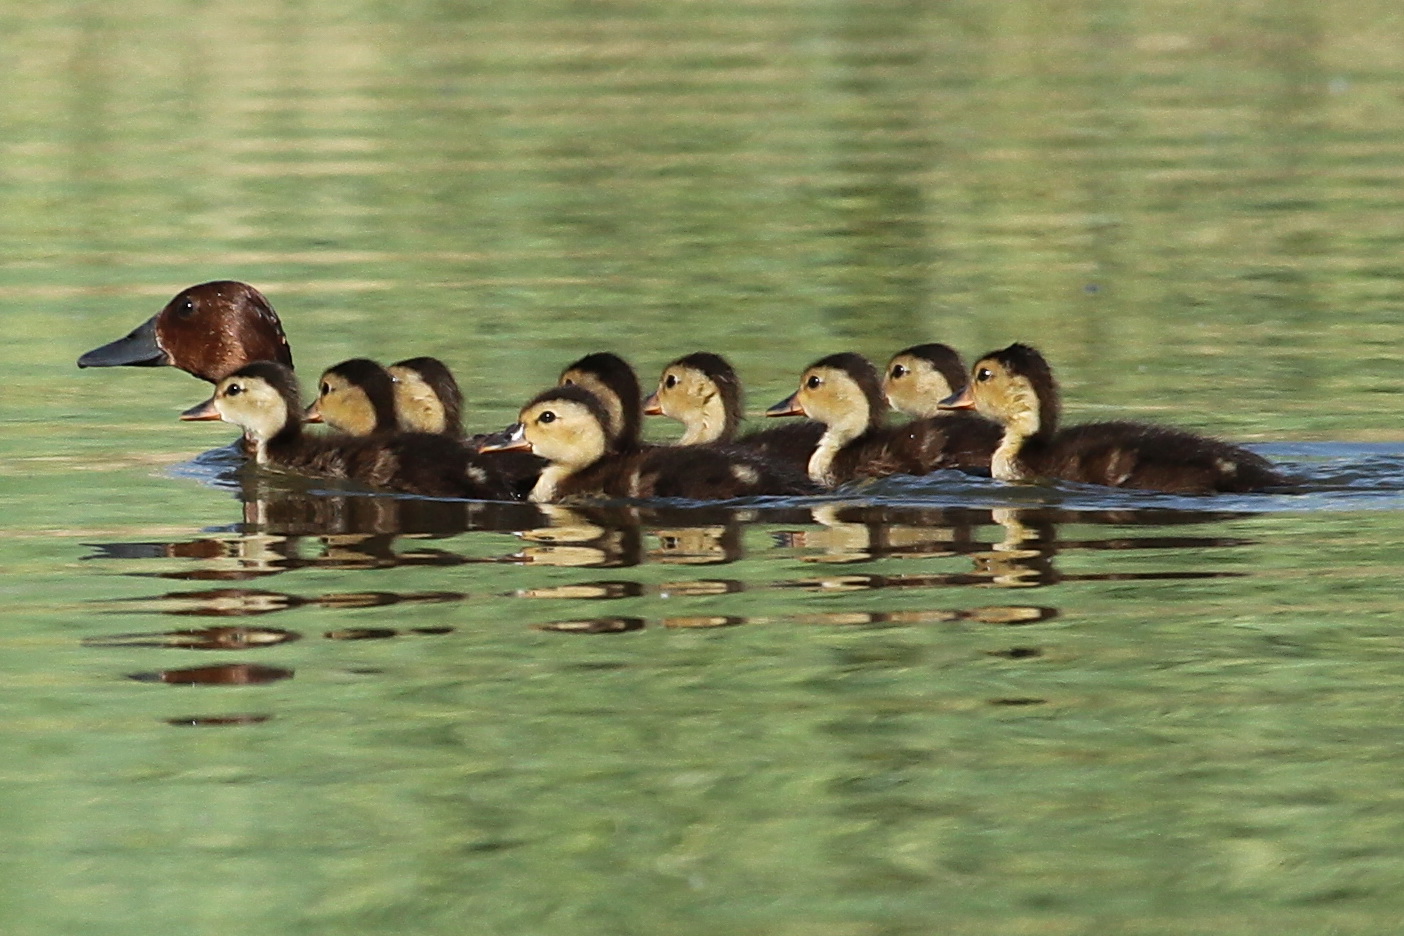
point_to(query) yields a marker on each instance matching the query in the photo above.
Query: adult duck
(570, 427)
(844, 392)
(209, 330)
(262, 399)
(1015, 387)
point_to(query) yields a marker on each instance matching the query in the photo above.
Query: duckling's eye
(983, 374)
(670, 381)
(898, 371)
(326, 388)
(187, 308)
(813, 382)
(567, 381)
(233, 390)
(546, 417)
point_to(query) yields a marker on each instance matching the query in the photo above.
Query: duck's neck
(708, 424)
(837, 435)
(287, 437)
(548, 483)
(1023, 437)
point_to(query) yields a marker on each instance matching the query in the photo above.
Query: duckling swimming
(918, 378)
(262, 399)
(355, 397)
(427, 398)
(568, 426)
(1015, 387)
(843, 391)
(614, 382)
(209, 330)
(702, 391)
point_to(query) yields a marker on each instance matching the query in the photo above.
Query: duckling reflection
(209, 638)
(248, 602)
(1001, 615)
(857, 533)
(572, 538)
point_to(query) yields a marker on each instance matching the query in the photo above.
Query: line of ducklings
(400, 428)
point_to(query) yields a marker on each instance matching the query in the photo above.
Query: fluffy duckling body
(568, 426)
(701, 390)
(610, 378)
(209, 330)
(843, 391)
(262, 399)
(427, 398)
(1015, 387)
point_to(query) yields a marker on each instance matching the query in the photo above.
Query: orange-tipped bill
(651, 406)
(790, 406)
(511, 439)
(961, 399)
(202, 412)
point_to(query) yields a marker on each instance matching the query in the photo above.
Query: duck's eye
(326, 388)
(898, 371)
(546, 417)
(670, 381)
(813, 382)
(983, 374)
(186, 308)
(233, 390)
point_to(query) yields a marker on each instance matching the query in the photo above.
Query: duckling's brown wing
(790, 443)
(1156, 458)
(715, 472)
(916, 448)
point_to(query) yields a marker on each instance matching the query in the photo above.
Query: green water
(943, 705)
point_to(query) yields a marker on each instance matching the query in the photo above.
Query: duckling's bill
(790, 406)
(652, 406)
(202, 412)
(511, 439)
(961, 399)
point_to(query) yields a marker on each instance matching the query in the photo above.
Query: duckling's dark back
(1149, 457)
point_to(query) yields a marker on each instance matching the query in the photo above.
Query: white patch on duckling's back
(477, 475)
(745, 474)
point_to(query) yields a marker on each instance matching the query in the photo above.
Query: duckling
(427, 398)
(918, 378)
(209, 331)
(567, 426)
(843, 391)
(357, 398)
(262, 399)
(701, 390)
(1015, 387)
(360, 398)
(610, 378)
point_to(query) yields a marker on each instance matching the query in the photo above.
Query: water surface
(253, 704)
